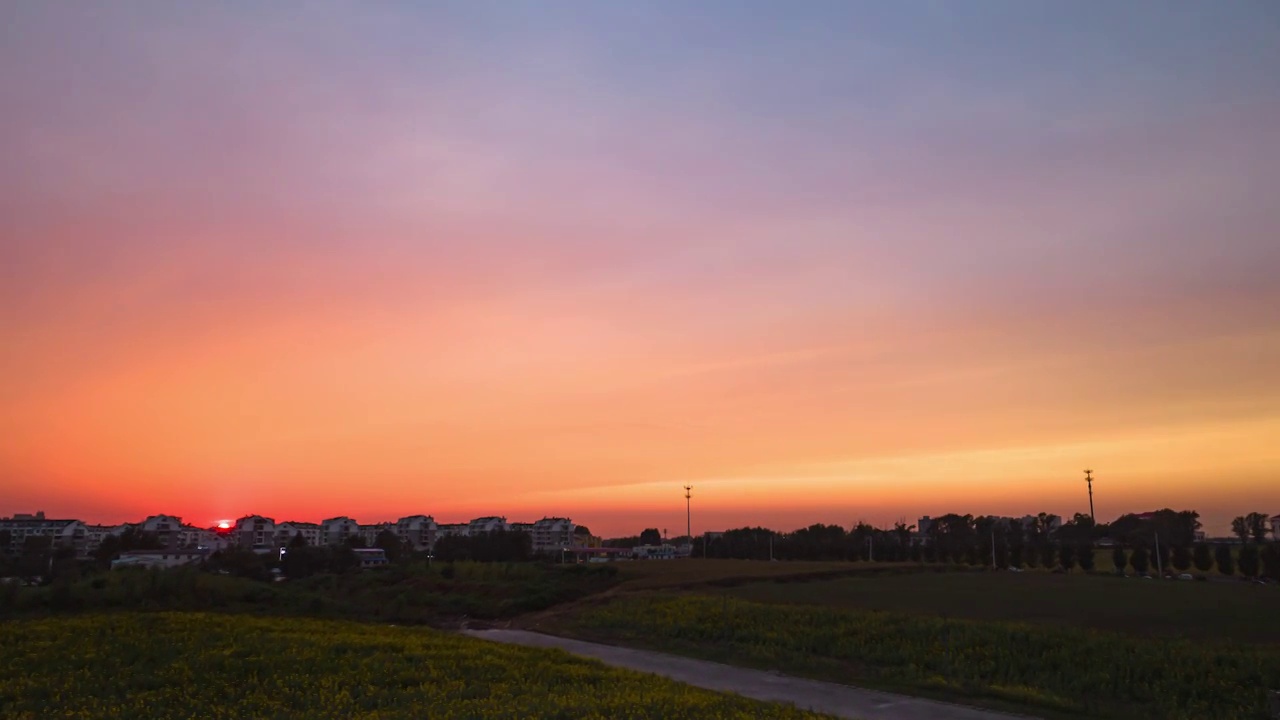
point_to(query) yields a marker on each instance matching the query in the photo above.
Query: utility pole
(1088, 477)
(688, 519)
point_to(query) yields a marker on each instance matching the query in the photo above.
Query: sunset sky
(824, 261)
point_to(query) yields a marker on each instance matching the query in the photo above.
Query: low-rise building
(167, 558)
(417, 532)
(95, 534)
(287, 531)
(487, 524)
(370, 533)
(1275, 528)
(190, 536)
(654, 552)
(553, 534)
(165, 528)
(338, 530)
(62, 533)
(371, 557)
(452, 530)
(254, 532)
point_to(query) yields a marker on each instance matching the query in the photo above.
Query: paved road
(824, 697)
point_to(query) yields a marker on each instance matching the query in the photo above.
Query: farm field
(1049, 671)
(1209, 611)
(656, 574)
(133, 665)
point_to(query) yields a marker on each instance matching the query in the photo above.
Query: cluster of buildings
(182, 542)
(418, 532)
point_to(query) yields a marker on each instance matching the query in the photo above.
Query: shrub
(1203, 558)
(1249, 560)
(1138, 560)
(1182, 558)
(1222, 558)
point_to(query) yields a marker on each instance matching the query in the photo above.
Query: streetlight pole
(688, 519)
(1088, 477)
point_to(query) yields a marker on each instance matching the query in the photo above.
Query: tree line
(1166, 540)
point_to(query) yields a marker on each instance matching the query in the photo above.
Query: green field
(1045, 670)
(660, 574)
(1209, 611)
(1053, 645)
(195, 665)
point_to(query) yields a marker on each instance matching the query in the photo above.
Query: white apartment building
(487, 524)
(190, 536)
(370, 533)
(417, 531)
(165, 527)
(287, 531)
(68, 533)
(255, 532)
(452, 530)
(335, 531)
(551, 534)
(95, 534)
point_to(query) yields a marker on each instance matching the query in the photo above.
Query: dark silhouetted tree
(1067, 556)
(36, 556)
(1016, 540)
(1240, 528)
(1222, 558)
(1118, 560)
(1248, 561)
(1084, 556)
(651, 536)
(1271, 561)
(1257, 523)
(300, 560)
(1139, 561)
(1202, 558)
(391, 546)
(1047, 555)
(1181, 558)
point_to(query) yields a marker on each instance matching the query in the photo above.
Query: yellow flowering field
(209, 666)
(1041, 668)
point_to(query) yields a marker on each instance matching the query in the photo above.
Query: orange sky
(462, 284)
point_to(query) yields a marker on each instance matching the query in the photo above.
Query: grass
(135, 665)
(666, 574)
(1052, 671)
(406, 594)
(1212, 611)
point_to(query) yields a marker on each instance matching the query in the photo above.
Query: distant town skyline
(826, 262)
(614, 524)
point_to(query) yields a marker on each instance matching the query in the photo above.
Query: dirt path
(830, 698)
